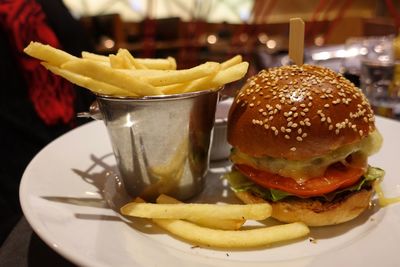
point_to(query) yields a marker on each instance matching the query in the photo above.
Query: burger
(301, 137)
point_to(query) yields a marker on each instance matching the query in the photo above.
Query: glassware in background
(380, 82)
(359, 49)
(375, 64)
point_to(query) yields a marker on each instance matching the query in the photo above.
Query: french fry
(225, 76)
(222, 77)
(180, 76)
(218, 238)
(123, 73)
(176, 88)
(206, 221)
(172, 62)
(193, 211)
(118, 62)
(231, 62)
(144, 72)
(130, 59)
(233, 239)
(93, 85)
(94, 57)
(47, 53)
(106, 74)
(168, 63)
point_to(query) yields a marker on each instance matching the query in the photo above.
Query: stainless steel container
(161, 143)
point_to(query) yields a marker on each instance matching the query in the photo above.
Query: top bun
(298, 112)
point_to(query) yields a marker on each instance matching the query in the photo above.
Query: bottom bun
(314, 212)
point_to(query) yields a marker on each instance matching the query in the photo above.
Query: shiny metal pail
(161, 143)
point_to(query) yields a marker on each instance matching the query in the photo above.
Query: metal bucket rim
(158, 97)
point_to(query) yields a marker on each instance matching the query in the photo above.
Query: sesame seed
(287, 136)
(308, 83)
(298, 138)
(292, 149)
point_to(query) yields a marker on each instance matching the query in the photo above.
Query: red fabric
(52, 97)
(393, 12)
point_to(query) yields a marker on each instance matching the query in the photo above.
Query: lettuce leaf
(239, 183)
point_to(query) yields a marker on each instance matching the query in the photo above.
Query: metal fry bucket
(161, 143)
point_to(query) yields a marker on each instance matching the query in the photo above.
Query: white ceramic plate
(69, 195)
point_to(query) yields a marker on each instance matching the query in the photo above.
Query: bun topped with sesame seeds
(301, 137)
(296, 113)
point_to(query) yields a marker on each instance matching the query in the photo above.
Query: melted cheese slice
(382, 200)
(301, 170)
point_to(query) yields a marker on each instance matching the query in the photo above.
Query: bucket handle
(94, 112)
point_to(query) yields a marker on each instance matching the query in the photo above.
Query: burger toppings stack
(301, 136)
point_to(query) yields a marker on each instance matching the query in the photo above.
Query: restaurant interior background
(338, 34)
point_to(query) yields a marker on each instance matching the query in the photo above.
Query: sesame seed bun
(314, 212)
(298, 113)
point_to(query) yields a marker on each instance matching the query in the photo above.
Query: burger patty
(316, 211)
(316, 204)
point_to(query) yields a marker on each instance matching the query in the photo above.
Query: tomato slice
(335, 177)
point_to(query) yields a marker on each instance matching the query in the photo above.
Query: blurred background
(340, 34)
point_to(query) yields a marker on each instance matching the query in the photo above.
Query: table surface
(24, 248)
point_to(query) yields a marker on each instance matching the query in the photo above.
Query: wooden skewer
(296, 41)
